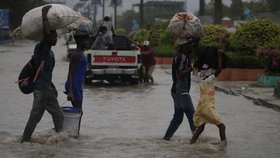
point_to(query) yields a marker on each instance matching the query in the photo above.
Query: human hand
(210, 78)
(70, 97)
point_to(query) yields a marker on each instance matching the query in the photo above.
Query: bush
(156, 32)
(166, 38)
(212, 36)
(154, 37)
(120, 31)
(164, 51)
(237, 60)
(249, 36)
(141, 35)
(269, 55)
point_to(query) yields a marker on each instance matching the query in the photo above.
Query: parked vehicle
(71, 47)
(119, 65)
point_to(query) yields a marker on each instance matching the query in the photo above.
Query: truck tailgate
(114, 58)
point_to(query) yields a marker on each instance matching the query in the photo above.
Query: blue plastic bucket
(71, 123)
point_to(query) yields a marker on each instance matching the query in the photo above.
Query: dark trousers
(182, 104)
(43, 100)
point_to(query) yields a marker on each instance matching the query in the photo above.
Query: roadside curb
(256, 100)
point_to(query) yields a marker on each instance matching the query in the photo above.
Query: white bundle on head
(59, 16)
(81, 27)
(185, 25)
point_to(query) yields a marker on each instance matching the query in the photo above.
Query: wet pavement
(130, 121)
(263, 96)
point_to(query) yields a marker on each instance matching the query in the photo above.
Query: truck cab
(118, 65)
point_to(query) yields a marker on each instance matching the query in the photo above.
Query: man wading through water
(181, 75)
(45, 93)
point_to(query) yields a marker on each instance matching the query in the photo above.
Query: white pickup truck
(118, 65)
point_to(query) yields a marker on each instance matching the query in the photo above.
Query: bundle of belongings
(185, 26)
(59, 16)
(80, 27)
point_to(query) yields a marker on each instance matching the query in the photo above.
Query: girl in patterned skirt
(205, 111)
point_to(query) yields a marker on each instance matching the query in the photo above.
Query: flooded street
(128, 121)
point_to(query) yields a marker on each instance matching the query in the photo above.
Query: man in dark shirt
(181, 75)
(45, 93)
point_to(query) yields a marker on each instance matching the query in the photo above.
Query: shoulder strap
(40, 68)
(41, 65)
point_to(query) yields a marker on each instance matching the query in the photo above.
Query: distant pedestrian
(106, 22)
(205, 111)
(148, 61)
(45, 93)
(181, 75)
(102, 40)
(77, 68)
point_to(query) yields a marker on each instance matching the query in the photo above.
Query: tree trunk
(141, 11)
(218, 12)
(201, 7)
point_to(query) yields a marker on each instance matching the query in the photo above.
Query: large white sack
(185, 25)
(82, 26)
(59, 16)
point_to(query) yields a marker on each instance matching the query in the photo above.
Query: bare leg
(78, 104)
(197, 133)
(222, 130)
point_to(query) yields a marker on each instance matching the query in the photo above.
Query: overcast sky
(192, 5)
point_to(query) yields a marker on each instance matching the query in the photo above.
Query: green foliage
(237, 60)
(120, 31)
(155, 32)
(131, 34)
(269, 55)
(154, 37)
(257, 6)
(212, 34)
(164, 51)
(125, 21)
(141, 35)
(166, 38)
(253, 34)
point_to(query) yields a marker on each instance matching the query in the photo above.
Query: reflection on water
(128, 121)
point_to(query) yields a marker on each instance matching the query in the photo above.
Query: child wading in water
(205, 111)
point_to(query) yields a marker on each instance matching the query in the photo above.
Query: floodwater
(128, 121)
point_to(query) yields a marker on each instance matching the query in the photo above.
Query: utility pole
(141, 11)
